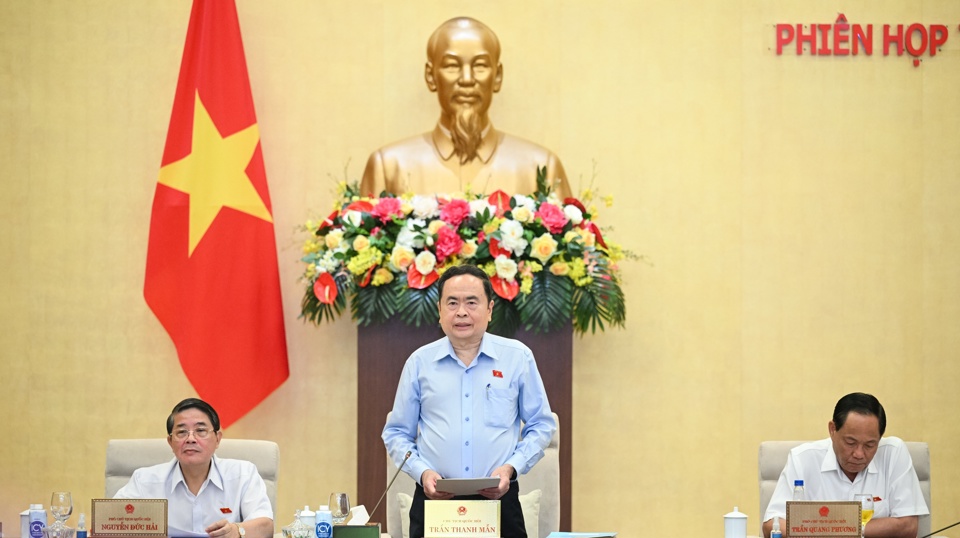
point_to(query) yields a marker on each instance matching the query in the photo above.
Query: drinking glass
(61, 505)
(866, 508)
(339, 507)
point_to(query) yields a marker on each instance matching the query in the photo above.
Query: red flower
(327, 223)
(448, 243)
(386, 209)
(596, 232)
(506, 289)
(552, 217)
(325, 288)
(495, 250)
(418, 281)
(500, 200)
(362, 206)
(367, 277)
(454, 212)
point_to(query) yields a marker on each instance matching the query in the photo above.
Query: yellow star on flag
(214, 174)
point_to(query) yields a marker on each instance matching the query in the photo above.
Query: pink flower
(454, 212)
(552, 217)
(448, 243)
(386, 209)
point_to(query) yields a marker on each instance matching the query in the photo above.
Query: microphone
(395, 475)
(941, 530)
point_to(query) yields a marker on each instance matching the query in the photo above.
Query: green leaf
(505, 320)
(547, 306)
(599, 301)
(374, 304)
(417, 307)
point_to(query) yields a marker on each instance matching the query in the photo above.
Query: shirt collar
(443, 141)
(213, 476)
(832, 464)
(487, 349)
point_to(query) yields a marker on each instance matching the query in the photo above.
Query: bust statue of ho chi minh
(463, 151)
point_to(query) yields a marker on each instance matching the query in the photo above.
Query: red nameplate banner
(823, 519)
(128, 517)
(461, 519)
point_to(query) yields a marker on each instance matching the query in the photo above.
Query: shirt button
(467, 395)
(466, 469)
(468, 419)
(467, 443)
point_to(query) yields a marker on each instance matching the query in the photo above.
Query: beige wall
(798, 216)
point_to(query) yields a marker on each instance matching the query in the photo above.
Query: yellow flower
(571, 237)
(522, 214)
(490, 268)
(543, 247)
(615, 252)
(586, 195)
(333, 239)
(588, 238)
(608, 200)
(492, 225)
(402, 257)
(361, 242)
(382, 276)
(560, 268)
(406, 208)
(469, 248)
(310, 247)
(526, 285)
(435, 226)
(364, 260)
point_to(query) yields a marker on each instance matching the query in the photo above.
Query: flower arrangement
(546, 257)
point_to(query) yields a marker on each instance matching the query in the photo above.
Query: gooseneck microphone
(941, 530)
(395, 475)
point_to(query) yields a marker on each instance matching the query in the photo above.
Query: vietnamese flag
(211, 276)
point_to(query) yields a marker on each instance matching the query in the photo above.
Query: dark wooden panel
(382, 350)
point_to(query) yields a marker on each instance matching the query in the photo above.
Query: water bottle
(308, 517)
(324, 522)
(798, 490)
(775, 532)
(82, 526)
(38, 520)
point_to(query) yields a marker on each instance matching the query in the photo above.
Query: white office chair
(127, 455)
(773, 458)
(545, 476)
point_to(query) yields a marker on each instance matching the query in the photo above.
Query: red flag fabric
(211, 275)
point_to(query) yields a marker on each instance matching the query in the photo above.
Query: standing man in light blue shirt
(460, 403)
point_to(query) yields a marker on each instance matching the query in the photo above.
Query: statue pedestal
(381, 353)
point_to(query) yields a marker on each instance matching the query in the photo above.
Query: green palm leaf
(505, 320)
(547, 306)
(599, 301)
(374, 304)
(417, 307)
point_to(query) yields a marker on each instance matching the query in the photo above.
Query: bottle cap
(83, 519)
(36, 507)
(798, 482)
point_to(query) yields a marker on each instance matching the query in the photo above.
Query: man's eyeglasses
(199, 433)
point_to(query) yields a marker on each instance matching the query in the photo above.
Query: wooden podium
(381, 353)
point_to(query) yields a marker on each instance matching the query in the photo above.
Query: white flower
(425, 262)
(409, 238)
(328, 264)
(354, 218)
(511, 237)
(506, 268)
(573, 213)
(477, 207)
(425, 207)
(525, 201)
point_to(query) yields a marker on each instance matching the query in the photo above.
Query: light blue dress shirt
(469, 417)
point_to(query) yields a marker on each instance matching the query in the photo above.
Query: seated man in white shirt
(205, 494)
(855, 459)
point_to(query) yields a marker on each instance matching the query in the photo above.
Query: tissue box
(370, 530)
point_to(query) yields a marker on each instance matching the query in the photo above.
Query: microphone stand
(395, 475)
